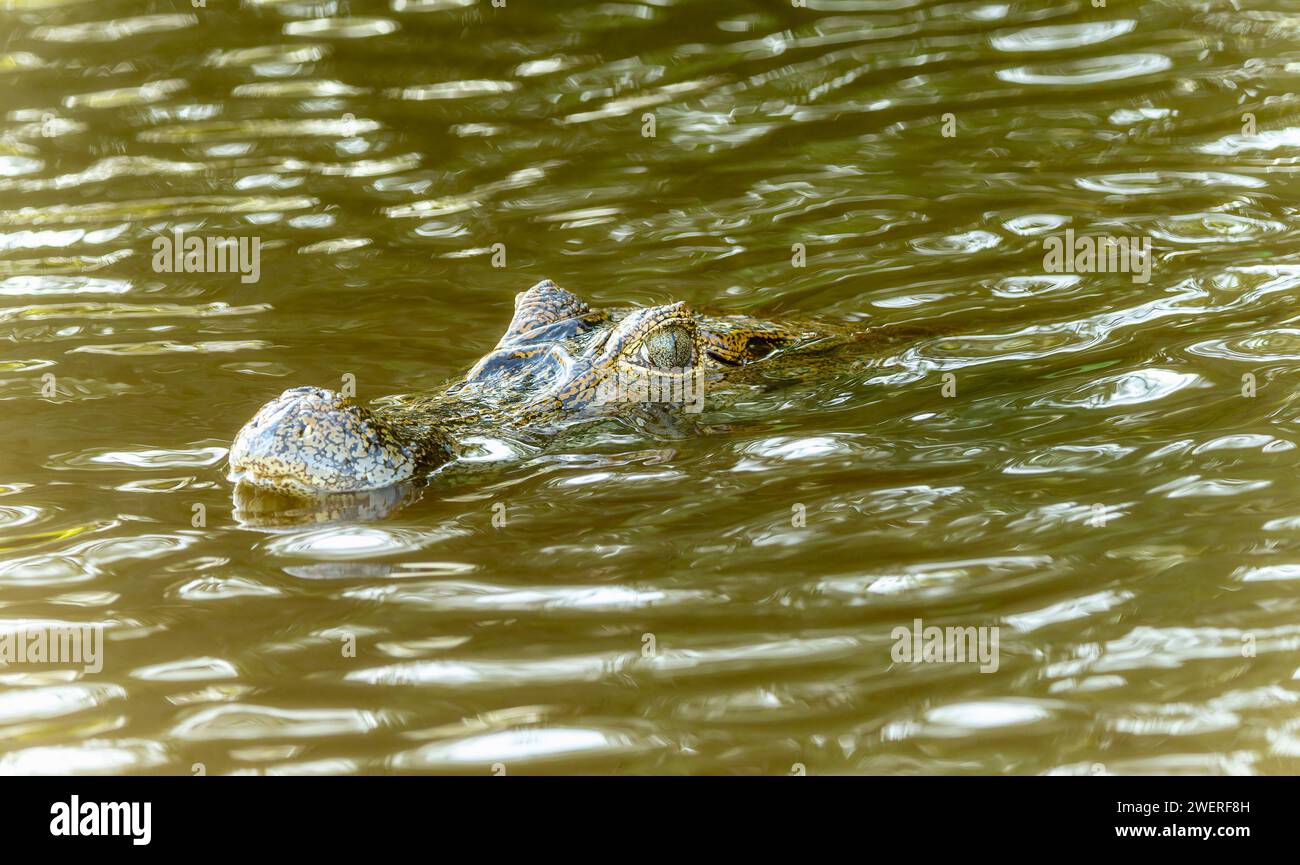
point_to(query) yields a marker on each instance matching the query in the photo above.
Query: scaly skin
(559, 360)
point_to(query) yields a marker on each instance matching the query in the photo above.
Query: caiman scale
(559, 361)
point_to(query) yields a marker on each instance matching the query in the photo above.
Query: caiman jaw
(310, 440)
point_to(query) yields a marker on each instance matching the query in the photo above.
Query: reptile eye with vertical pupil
(667, 348)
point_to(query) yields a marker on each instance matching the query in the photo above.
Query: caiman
(559, 362)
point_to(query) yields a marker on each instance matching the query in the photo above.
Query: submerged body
(559, 361)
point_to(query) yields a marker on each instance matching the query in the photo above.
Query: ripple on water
(364, 570)
(357, 542)
(1261, 139)
(457, 596)
(925, 580)
(242, 721)
(1061, 36)
(149, 458)
(1281, 343)
(1194, 486)
(87, 559)
(431, 5)
(793, 702)
(1267, 573)
(237, 130)
(1038, 342)
(1072, 609)
(1162, 182)
(1068, 458)
(1245, 441)
(114, 30)
(296, 89)
(965, 243)
(122, 97)
(525, 747)
(268, 55)
(1149, 648)
(335, 766)
(12, 516)
(1284, 741)
(1008, 716)
(187, 670)
(136, 349)
(13, 165)
(453, 90)
(1034, 224)
(1129, 388)
(46, 569)
(794, 449)
(334, 247)
(1172, 720)
(38, 704)
(219, 588)
(48, 285)
(1088, 70)
(674, 663)
(106, 551)
(1230, 763)
(1203, 228)
(492, 672)
(341, 28)
(104, 171)
(1054, 516)
(1036, 285)
(90, 757)
(17, 61)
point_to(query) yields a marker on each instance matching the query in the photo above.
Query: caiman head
(558, 359)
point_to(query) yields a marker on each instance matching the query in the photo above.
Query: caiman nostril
(310, 440)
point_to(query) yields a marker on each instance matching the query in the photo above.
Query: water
(1100, 467)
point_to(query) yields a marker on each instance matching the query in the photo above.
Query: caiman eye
(667, 348)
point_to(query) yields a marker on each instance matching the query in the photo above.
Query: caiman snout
(311, 440)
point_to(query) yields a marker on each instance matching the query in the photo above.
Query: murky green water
(1102, 468)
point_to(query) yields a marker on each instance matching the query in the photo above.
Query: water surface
(1102, 468)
